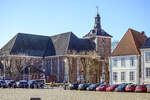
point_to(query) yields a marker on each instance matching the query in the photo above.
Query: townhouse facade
(145, 62)
(125, 60)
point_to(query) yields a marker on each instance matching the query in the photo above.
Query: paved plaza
(60, 94)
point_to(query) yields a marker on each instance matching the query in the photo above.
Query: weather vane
(97, 9)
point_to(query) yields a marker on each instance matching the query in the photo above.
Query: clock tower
(101, 38)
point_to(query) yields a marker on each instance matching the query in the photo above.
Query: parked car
(92, 87)
(83, 86)
(73, 86)
(112, 87)
(12, 84)
(102, 87)
(23, 84)
(141, 88)
(40, 83)
(121, 87)
(148, 87)
(130, 88)
(3, 84)
(32, 84)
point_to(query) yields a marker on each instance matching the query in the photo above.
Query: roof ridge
(134, 40)
(60, 34)
(32, 34)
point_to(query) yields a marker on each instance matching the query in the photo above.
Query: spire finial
(97, 9)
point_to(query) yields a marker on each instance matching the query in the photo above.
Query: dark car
(12, 84)
(92, 87)
(130, 88)
(83, 86)
(121, 87)
(32, 84)
(141, 88)
(112, 87)
(148, 87)
(3, 84)
(23, 84)
(40, 83)
(73, 86)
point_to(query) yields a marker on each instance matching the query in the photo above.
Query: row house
(125, 60)
(145, 62)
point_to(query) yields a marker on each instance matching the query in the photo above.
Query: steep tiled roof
(146, 44)
(130, 43)
(37, 45)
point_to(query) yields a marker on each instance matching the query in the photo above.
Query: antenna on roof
(97, 9)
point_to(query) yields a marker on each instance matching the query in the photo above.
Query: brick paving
(60, 94)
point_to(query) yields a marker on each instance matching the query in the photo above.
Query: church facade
(62, 57)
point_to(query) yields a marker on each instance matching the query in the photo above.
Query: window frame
(132, 61)
(147, 56)
(132, 76)
(115, 62)
(147, 72)
(123, 76)
(123, 62)
(115, 76)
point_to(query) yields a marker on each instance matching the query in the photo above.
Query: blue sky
(50, 17)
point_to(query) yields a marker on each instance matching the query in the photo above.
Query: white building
(145, 65)
(125, 59)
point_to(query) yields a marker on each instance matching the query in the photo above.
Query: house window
(122, 76)
(132, 76)
(132, 61)
(123, 64)
(115, 76)
(115, 62)
(147, 72)
(147, 56)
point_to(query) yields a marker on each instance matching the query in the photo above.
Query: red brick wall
(106, 48)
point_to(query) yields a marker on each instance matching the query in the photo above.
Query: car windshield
(102, 85)
(148, 86)
(12, 82)
(23, 82)
(93, 85)
(2, 82)
(112, 86)
(139, 86)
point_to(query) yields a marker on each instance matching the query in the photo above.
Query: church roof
(37, 45)
(101, 33)
(146, 44)
(130, 43)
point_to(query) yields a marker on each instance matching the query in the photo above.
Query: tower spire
(97, 25)
(97, 9)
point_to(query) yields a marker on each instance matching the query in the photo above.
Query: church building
(56, 58)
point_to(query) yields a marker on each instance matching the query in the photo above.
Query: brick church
(57, 58)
